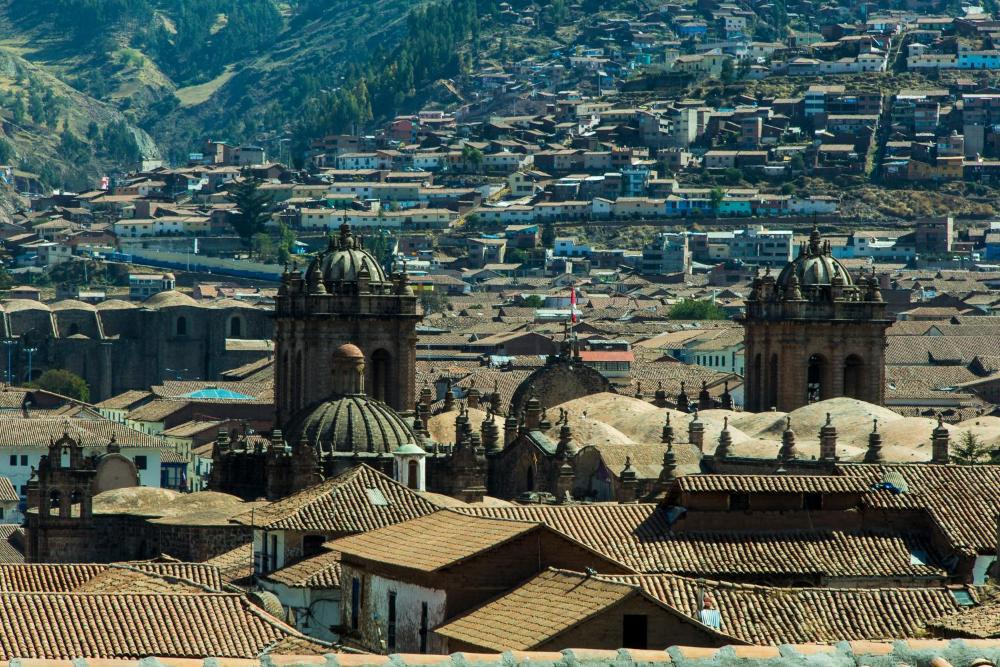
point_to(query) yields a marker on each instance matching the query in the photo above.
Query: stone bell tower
(813, 334)
(344, 296)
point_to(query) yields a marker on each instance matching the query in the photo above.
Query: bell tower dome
(813, 334)
(344, 297)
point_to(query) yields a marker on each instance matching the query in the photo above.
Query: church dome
(346, 260)
(349, 424)
(814, 266)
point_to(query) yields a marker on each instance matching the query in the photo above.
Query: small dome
(169, 298)
(815, 265)
(15, 305)
(116, 304)
(348, 351)
(345, 259)
(72, 304)
(349, 424)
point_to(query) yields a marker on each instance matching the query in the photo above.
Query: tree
(694, 309)
(472, 157)
(253, 209)
(972, 451)
(286, 243)
(548, 235)
(262, 246)
(60, 381)
(533, 301)
(728, 73)
(715, 197)
(433, 301)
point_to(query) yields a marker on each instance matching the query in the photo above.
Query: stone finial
(449, 397)
(727, 398)
(532, 413)
(874, 453)
(660, 397)
(696, 432)
(940, 443)
(828, 441)
(473, 397)
(638, 390)
(566, 447)
(725, 448)
(704, 398)
(491, 435)
(509, 430)
(788, 451)
(114, 447)
(682, 400)
(545, 424)
(667, 435)
(629, 480)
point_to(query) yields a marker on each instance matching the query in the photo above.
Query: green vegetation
(253, 214)
(694, 309)
(60, 381)
(973, 451)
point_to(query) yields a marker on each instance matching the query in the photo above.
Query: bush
(693, 309)
(63, 382)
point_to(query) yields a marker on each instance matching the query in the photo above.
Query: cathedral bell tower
(344, 296)
(812, 334)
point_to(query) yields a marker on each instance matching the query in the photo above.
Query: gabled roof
(765, 615)
(77, 577)
(356, 501)
(771, 484)
(321, 571)
(433, 542)
(125, 625)
(545, 607)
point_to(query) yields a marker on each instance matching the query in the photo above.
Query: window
(13, 459)
(812, 501)
(236, 327)
(182, 326)
(423, 627)
(739, 501)
(390, 630)
(355, 602)
(141, 462)
(634, 631)
(273, 553)
(24, 459)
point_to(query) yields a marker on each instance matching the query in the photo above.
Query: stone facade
(812, 334)
(116, 345)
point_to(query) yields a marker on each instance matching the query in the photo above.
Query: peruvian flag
(572, 303)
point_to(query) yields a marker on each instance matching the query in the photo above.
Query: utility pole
(31, 351)
(10, 343)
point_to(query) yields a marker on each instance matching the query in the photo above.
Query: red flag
(572, 303)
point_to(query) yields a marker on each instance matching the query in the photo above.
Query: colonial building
(813, 334)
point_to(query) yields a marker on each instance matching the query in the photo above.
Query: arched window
(236, 327)
(55, 500)
(381, 362)
(181, 328)
(74, 329)
(815, 379)
(413, 474)
(854, 373)
(297, 381)
(530, 480)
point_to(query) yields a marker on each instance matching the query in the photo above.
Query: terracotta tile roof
(356, 501)
(320, 571)
(962, 500)
(639, 535)
(432, 542)
(915, 350)
(125, 400)
(125, 625)
(93, 433)
(235, 565)
(981, 622)
(8, 494)
(766, 615)
(771, 484)
(537, 611)
(75, 577)
(11, 543)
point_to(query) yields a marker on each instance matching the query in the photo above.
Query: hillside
(187, 69)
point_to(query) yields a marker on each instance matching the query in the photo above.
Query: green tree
(971, 450)
(533, 301)
(728, 74)
(715, 197)
(262, 246)
(60, 381)
(695, 309)
(548, 235)
(286, 243)
(433, 301)
(472, 157)
(253, 209)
